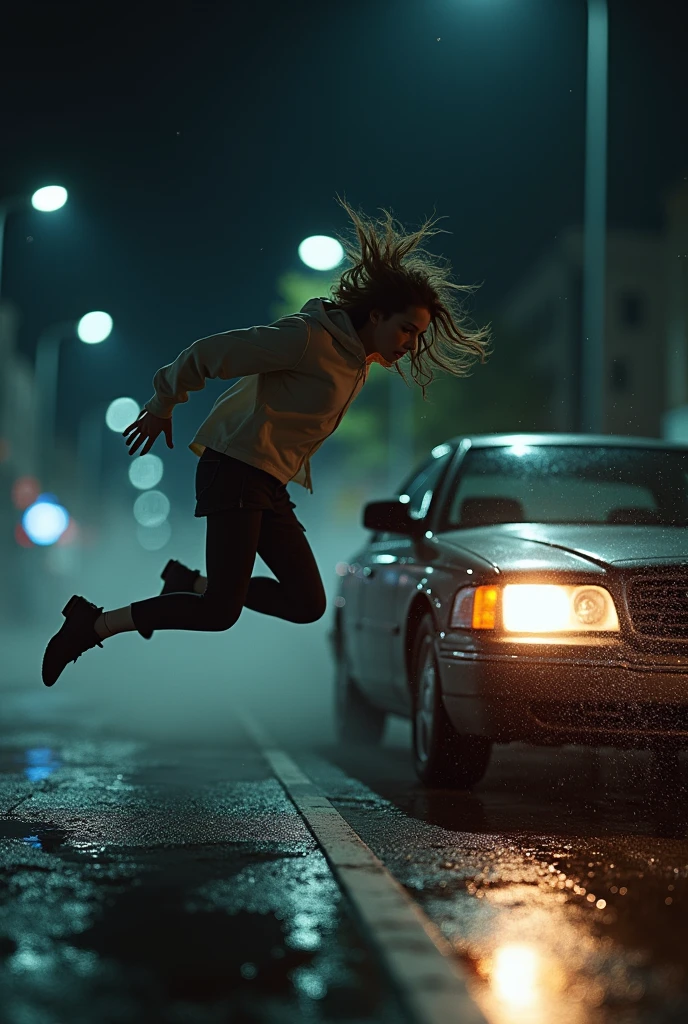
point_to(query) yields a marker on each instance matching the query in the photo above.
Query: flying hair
(390, 271)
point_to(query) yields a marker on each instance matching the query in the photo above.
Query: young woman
(297, 378)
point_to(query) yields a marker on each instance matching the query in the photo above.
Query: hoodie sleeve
(231, 354)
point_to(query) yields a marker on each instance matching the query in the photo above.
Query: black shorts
(223, 482)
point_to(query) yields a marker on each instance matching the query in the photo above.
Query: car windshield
(570, 484)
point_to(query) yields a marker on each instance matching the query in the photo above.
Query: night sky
(201, 141)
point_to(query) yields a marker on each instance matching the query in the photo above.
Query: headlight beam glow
(557, 608)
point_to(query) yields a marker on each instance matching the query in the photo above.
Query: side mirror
(390, 517)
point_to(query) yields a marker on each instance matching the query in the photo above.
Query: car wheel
(442, 756)
(356, 719)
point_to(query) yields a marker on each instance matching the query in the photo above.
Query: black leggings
(233, 537)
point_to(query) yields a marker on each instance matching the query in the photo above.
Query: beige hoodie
(298, 378)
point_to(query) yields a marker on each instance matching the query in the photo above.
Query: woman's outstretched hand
(145, 429)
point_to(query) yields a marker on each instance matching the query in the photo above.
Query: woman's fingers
(144, 430)
(137, 442)
(134, 425)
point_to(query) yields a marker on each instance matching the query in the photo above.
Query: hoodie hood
(337, 323)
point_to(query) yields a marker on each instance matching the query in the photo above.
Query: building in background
(646, 360)
(675, 424)
(27, 572)
(18, 420)
(18, 458)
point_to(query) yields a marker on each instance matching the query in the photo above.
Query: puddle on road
(246, 930)
(40, 835)
(313, 951)
(34, 763)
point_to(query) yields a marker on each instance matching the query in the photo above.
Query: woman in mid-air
(297, 378)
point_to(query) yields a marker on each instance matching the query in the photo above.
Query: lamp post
(91, 329)
(90, 450)
(46, 199)
(401, 432)
(593, 362)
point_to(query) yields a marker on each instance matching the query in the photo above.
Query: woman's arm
(231, 354)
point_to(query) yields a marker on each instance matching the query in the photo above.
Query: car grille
(659, 606)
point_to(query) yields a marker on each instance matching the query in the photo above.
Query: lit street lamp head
(49, 198)
(94, 327)
(320, 252)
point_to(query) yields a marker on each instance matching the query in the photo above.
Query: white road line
(421, 963)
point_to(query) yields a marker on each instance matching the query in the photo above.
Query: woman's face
(395, 337)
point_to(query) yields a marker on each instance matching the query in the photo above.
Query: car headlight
(535, 608)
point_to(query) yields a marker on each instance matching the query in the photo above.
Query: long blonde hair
(390, 271)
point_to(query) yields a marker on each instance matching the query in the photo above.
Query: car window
(421, 488)
(570, 485)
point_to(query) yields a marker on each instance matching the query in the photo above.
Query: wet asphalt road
(143, 882)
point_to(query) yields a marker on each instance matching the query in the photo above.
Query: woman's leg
(231, 542)
(297, 594)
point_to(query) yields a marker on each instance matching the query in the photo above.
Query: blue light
(41, 762)
(45, 521)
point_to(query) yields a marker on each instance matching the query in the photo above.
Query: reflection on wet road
(561, 880)
(145, 884)
(150, 883)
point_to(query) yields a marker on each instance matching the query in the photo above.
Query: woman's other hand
(145, 429)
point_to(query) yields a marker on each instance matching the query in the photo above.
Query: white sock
(200, 584)
(117, 621)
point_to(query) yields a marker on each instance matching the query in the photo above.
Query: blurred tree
(296, 287)
(507, 393)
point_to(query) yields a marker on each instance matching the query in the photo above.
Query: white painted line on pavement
(420, 961)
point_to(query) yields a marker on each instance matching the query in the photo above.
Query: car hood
(513, 546)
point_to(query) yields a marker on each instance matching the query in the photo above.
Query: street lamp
(595, 227)
(593, 362)
(49, 198)
(92, 329)
(46, 199)
(320, 252)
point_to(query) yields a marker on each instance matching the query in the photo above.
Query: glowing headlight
(535, 608)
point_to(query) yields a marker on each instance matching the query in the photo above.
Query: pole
(400, 432)
(47, 378)
(90, 452)
(8, 205)
(3, 219)
(593, 363)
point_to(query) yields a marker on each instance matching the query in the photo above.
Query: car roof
(588, 440)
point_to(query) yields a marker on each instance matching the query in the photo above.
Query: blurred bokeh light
(45, 521)
(21, 537)
(120, 413)
(25, 490)
(94, 327)
(151, 508)
(146, 471)
(153, 538)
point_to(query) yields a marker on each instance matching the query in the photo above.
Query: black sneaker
(179, 579)
(76, 636)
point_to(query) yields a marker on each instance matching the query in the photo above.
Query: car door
(386, 558)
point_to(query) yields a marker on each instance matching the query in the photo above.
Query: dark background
(201, 141)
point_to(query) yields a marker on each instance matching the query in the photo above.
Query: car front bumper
(557, 695)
